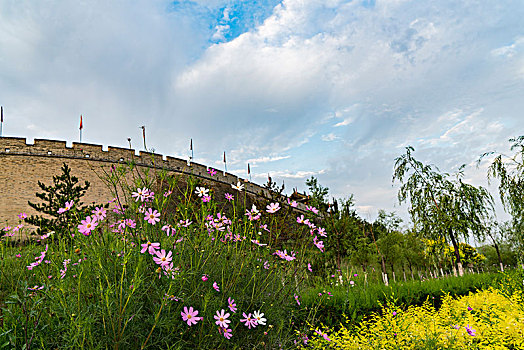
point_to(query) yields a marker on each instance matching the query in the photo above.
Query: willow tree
(442, 205)
(510, 171)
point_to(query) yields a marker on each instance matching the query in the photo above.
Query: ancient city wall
(22, 165)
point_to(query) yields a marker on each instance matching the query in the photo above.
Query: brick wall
(22, 165)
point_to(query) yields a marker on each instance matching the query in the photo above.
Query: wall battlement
(22, 164)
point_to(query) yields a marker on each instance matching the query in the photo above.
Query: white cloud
(286, 174)
(329, 137)
(266, 159)
(399, 72)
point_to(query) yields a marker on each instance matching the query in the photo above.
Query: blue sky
(327, 88)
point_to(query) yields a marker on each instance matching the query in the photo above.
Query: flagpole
(143, 127)
(225, 163)
(81, 127)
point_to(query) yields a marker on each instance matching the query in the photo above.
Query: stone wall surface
(22, 165)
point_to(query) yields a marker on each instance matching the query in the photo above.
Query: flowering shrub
(483, 320)
(152, 273)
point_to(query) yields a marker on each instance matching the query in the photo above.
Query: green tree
(509, 169)
(319, 194)
(65, 188)
(442, 205)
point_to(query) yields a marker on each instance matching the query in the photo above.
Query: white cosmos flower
(201, 191)
(238, 186)
(259, 316)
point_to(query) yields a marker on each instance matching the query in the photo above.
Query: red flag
(191, 145)
(248, 169)
(2, 114)
(224, 156)
(81, 125)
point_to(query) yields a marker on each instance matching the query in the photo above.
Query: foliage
(510, 171)
(361, 299)
(65, 189)
(483, 320)
(319, 194)
(440, 205)
(107, 288)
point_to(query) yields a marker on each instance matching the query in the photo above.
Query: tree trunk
(393, 271)
(498, 255)
(457, 253)
(385, 278)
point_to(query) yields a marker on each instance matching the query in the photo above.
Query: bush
(483, 320)
(360, 301)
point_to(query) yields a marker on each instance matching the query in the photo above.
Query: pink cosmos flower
(309, 267)
(87, 225)
(249, 321)
(35, 288)
(257, 242)
(184, 223)
(284, 255)
(300, 219)
(167, 193)
(206, 199)
(470, 330)
(150, 247)
(99, 213)
(190, 316)
(294, 204)
(228, 333)
(221, 319)
(22, 216)
(169, 230)
(273, 208)
(323, 335)
(212, 171)
(205, 277)
(152, 216)
(215, 285)
(18, 255)
(322, 231)
(318, 244)
(312, 208)
(131, 223)
(232, 305)
(298, 301)
(170, 271)
(229, 197)
(162, 258)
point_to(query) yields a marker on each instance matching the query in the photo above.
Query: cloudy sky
(329, 88)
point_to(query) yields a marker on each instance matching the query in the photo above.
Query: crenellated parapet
(30, 162)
